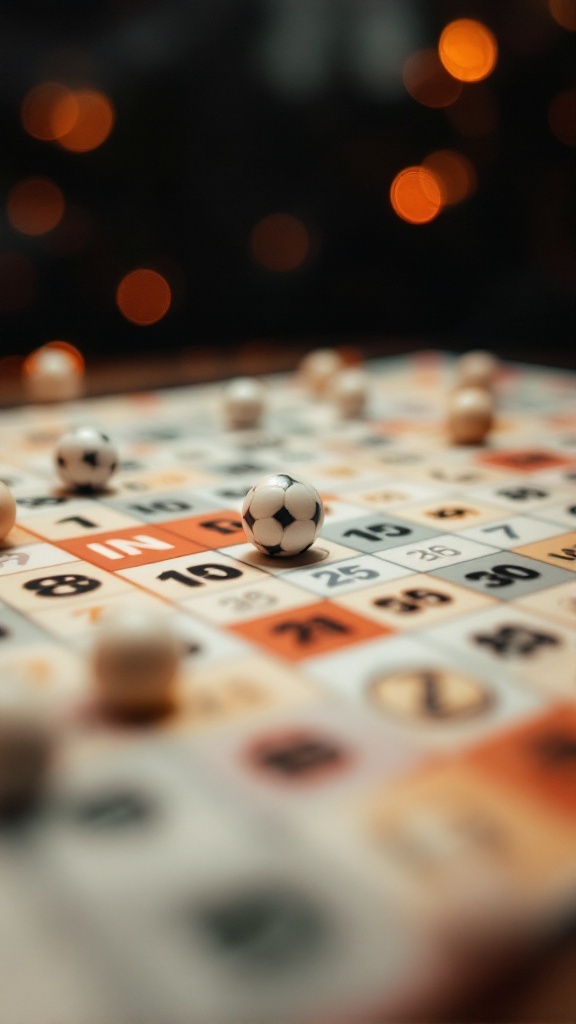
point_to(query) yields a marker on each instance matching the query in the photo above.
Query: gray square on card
(504, 575)
(377, 532)
(160, 508)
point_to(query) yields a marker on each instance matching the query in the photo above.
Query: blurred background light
(455, 174)
(245, 150)
(562, 116)
(35, 206)
(564, 12)
(143, 296)
(468, 50)
(427, 80)
(416, 195)
(49, 110)
(280, 242)
(92, 123)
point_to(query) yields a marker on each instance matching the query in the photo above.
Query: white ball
(53, 375)
(86, 458)
(135, 659)
(7, 510)
(244, 402)
(470, 415)
(317, 369)
(349, 392)
(476, 369)
(282, 516)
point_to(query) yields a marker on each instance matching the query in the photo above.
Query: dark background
(229, 110)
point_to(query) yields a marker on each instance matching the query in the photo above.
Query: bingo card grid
(370, 775)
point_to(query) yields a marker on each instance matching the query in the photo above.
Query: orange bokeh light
(74, 353)
(35, 206)
(143, 296)
(280, 242)
(416, 195)
(49, 110)
(17, 282)
(468, 50)
(92, 124)
(564, 13)
(33, 362)
(455, 173)
(562, 117)
(427, 80)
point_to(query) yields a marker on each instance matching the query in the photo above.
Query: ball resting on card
(477, 369)
(348, 392)
(52, 374)
(318, 368)
(135, 660)
(86, 458)
(470, 415)
(282, 516)
(244, 403)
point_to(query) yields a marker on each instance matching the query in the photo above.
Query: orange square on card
(560, 550)
(218, 529)
(124, 549)
(539, 758)
(523, 460)
(315, 629)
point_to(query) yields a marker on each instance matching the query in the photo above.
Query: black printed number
(205, 572)
(40, 501)
(515, 641)
(503, 575)
(308, 630)
(165, 505)
(62, 586)
(434, 552)
(522, 493)
(378, 530)
(338, 577)
(410, 601)
(86, 524)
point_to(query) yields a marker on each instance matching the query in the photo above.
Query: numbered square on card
(377, 533)
(305, 632)
(178, 579)
(445, 549)
(506, 575)
(341, 577)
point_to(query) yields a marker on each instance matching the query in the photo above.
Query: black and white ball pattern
(282, 516)
(86, 458)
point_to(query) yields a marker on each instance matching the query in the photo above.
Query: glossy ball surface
(135, 661)
(52, 375)
(476, 369)
(282, 516)
(470, 415)
(86, 458)
(349, 392)
(317, 369)
(244, 402)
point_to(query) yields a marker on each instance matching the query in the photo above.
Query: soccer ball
(86, 458)
(282, 516)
